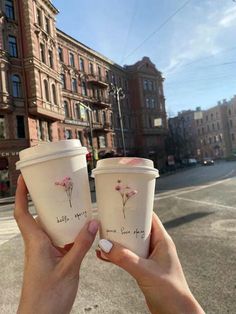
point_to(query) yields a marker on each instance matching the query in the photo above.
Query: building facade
(148, 110)
(53, 87)
(207, 133)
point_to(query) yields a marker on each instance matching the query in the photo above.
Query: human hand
(160, 276)
(51, 275)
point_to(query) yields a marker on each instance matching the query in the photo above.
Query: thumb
(121, 256)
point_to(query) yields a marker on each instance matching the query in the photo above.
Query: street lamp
(118, 93)
(89, 110)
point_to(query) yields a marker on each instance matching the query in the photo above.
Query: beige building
(231, 117)
(213, 132)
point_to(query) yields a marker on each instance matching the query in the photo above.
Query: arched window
(46, 92)
(66, 108)
(16, 86)
(9, 9)
(54, 94)
(77, 111)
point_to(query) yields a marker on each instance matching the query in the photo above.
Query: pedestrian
(51, 275)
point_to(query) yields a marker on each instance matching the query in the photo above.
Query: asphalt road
(198, 208)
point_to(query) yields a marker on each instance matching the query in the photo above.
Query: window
(95, 116)
(218, 125)
(145, 84)
(47, 25)
(232, 136)
(72, 59)
(150, 85)
(152, 103)
(60, 53)
(231, 123)
(54, 94)
(12, 46)
(101, 141)
(113, 79)
(206, 118)
(84, 89)
(90, 68)
(80, 137)
(39, 17)
(74, 85)
(229, 112)
(20, 125)
(63, 80)
(49, 131)
(16, 86)
(50, 58)
(46, 92)
(77, 111)
(208, 128)
(107, 76)
(81, 64)
(40, 130)
(104, 119)
(83, 113)
(68, 134)
(2, 127)
(66, 108)
(42, 53)
(211, 116)
(213, 127)
(99, 73)
(147, 102)
(9, 9)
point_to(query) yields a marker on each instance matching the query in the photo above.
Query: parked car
(189, 162)
(208, 162)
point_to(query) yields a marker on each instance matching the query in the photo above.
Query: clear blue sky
(191, 42)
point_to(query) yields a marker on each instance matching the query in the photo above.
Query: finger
(99, 255)
(122, 257)
(73, 259)
(158, 230)
(24, 219)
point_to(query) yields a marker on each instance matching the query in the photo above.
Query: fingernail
(105, 245)
(93, 227)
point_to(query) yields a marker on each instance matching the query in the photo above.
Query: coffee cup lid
(49, 150)
(125, 164)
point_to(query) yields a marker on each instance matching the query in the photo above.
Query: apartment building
(231, 117)
(53, 87)
(183, 135)
(148, 107)
(213, 132)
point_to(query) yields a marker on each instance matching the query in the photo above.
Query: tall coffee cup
(125, 194)
(56, 176)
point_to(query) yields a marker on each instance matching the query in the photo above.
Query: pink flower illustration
(125, 192)
(67, 184)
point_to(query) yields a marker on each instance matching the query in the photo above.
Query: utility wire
(129, 30)
(158, 29)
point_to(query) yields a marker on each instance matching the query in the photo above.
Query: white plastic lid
(51, 150)
(125, 165)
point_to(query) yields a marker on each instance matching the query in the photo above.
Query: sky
(192, 42)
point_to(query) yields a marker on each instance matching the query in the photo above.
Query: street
(197, 207)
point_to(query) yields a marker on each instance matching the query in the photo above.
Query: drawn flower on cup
(67, 185)
(126, 192)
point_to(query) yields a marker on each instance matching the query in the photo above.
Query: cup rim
(66, 153)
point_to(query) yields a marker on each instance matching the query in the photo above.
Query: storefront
(8, 172)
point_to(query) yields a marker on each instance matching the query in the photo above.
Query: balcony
(97, 126)
(107, 126)
(45, 109)
(102, 102)
(76, 122)
(97, 80)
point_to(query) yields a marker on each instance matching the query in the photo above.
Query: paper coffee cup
(56, 176)
(125, 194)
